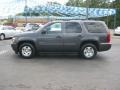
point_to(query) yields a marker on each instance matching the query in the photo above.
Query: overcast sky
(41, 1)
(10, 7)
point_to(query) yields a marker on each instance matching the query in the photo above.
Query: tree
(116, 4)
(77, 3)
(97, 3)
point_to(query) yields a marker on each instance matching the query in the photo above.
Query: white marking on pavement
(3, 52)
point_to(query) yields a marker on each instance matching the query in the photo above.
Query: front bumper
(105, 46)
(14, 47)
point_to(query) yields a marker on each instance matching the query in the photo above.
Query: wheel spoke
(88, 52)
(26, 51)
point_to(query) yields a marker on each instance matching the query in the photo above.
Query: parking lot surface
(60, 72)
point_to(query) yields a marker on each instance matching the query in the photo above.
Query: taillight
(108, 37)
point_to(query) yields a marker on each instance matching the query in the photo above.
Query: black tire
(84, 51)
(32, 50)
(116, 34)
(2, 36)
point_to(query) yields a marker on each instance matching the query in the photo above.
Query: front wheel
(27, 50)
(89, 51)
(2, 37)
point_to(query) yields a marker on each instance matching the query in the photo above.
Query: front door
(52, 38)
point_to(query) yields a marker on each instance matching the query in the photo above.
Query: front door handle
(58, 37)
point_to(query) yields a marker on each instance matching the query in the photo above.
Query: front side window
(54, 28)
(35, 27)
(8, 28)
(95, 27)
(5, 28)
(11, 28)
(72, 27)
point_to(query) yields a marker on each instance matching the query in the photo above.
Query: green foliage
(78, 3)
(90, 3)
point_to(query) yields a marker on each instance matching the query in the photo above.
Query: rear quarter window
(95, 27)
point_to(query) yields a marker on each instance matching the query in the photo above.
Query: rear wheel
(2, 37)
(27, 50)
(89, 51)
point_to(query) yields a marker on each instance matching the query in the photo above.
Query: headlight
(14, 39)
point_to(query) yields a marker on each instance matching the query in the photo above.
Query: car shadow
(63, 61)
(6, 39)
(69, 57)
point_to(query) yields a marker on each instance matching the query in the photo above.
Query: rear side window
(95, 27)
(72, 27)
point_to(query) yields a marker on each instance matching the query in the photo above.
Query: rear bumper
(105, 46)
(14, 47)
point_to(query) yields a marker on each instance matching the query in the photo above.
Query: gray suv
(86, 37)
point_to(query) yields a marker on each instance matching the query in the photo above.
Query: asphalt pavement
(60, 72)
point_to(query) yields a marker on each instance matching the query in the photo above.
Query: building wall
(21, 21)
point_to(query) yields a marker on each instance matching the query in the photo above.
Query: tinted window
(95, 27)
(54, 28)
(8, 28)
(35, 27)
(72, 27)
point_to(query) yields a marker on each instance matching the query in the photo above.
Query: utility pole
(115, 21)
(108, 7)
(26, 18)
(87, 9)
(87, 13)
(114, 15)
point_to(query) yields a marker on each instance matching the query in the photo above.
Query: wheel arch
(90, 42)
(2, 34)
(26, 41)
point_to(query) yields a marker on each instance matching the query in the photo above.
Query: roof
(77, 21)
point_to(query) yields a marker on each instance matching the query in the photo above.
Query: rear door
(72, 36)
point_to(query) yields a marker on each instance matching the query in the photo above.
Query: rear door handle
(79, 36)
